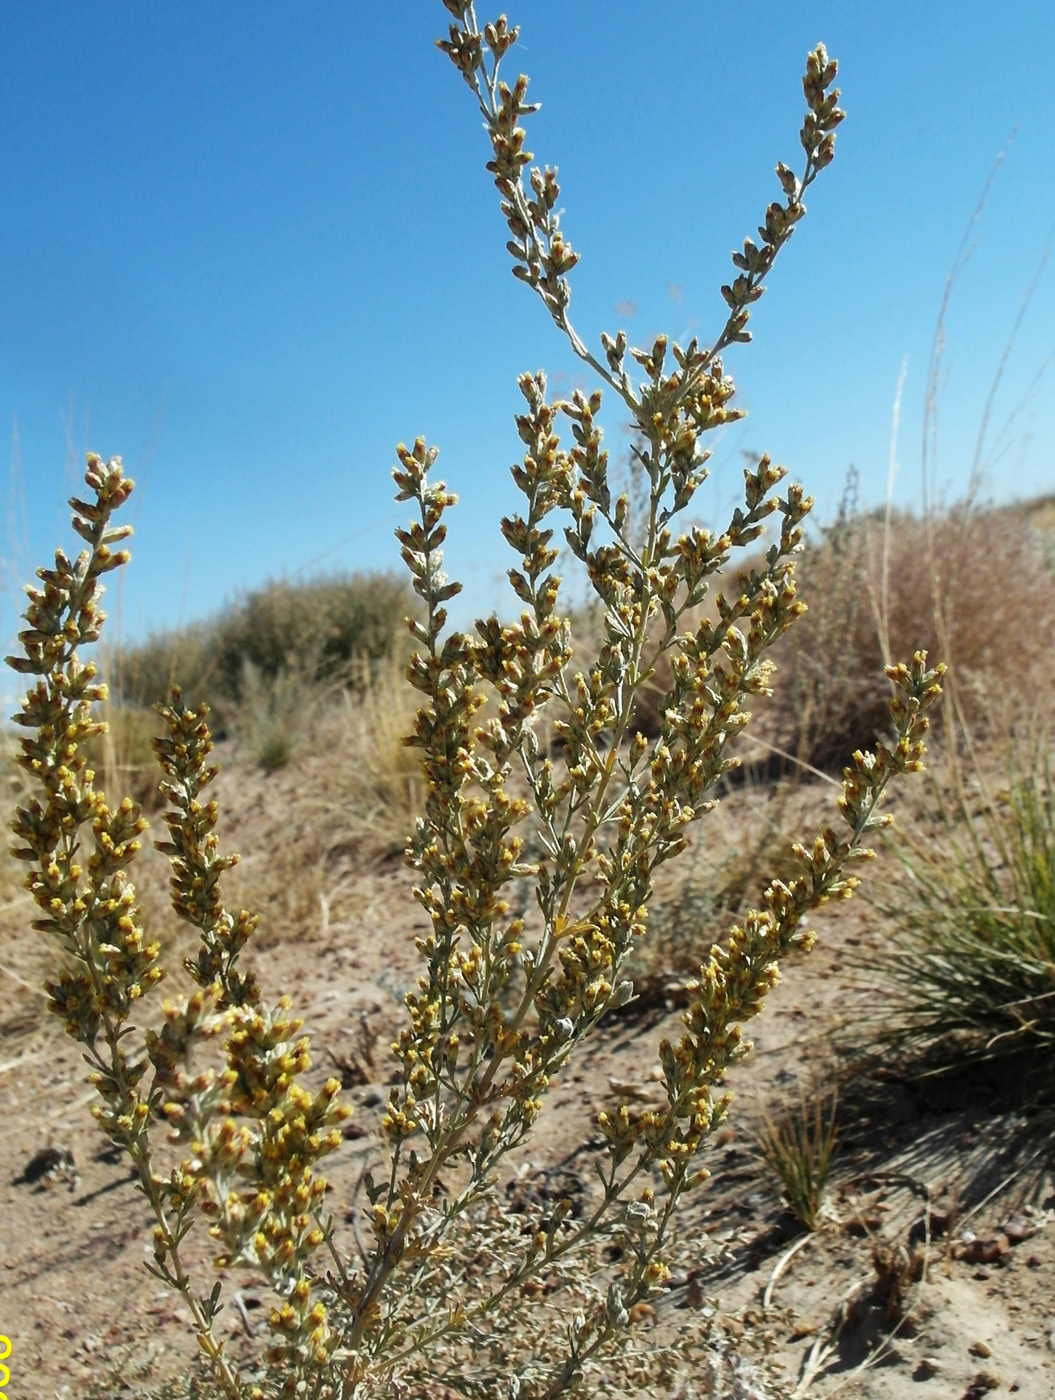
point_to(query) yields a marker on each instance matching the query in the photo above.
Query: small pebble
(981, 1349)
(982, 1384)
(987, 1248)
(1017, 1228)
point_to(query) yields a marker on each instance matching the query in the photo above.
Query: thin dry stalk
(372, 782)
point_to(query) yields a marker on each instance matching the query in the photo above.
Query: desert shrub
(971, 584)
(142, 674)
(271, 664)
(453, 1289)
(317, 630)
(970, 970)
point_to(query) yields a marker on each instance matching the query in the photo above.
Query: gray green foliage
(445, 1286)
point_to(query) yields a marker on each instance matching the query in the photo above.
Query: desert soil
(958, 1172)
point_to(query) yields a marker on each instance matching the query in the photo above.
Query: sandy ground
(949, 1185)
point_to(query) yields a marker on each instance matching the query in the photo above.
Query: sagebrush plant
(452, 1290)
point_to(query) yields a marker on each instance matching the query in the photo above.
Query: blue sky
(250, 246)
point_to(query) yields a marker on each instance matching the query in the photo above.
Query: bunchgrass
(798, 1146)
(273, 714)
(970, 969)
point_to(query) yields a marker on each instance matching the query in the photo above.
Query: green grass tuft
(798, 1147)
(972, 963)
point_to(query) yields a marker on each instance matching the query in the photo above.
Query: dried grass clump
(275, 714)
(269, 667)
(974, 586)
(366, 781)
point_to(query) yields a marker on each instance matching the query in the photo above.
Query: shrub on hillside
(316, 630)
(142, 674)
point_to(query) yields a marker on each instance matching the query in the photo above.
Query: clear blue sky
(249, 246)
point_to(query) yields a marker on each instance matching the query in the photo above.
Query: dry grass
(123, 758)
(344, 799)
(373, 782)
(142, 674)
(974, 588)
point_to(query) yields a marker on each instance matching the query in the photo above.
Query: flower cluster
(252, 1133)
